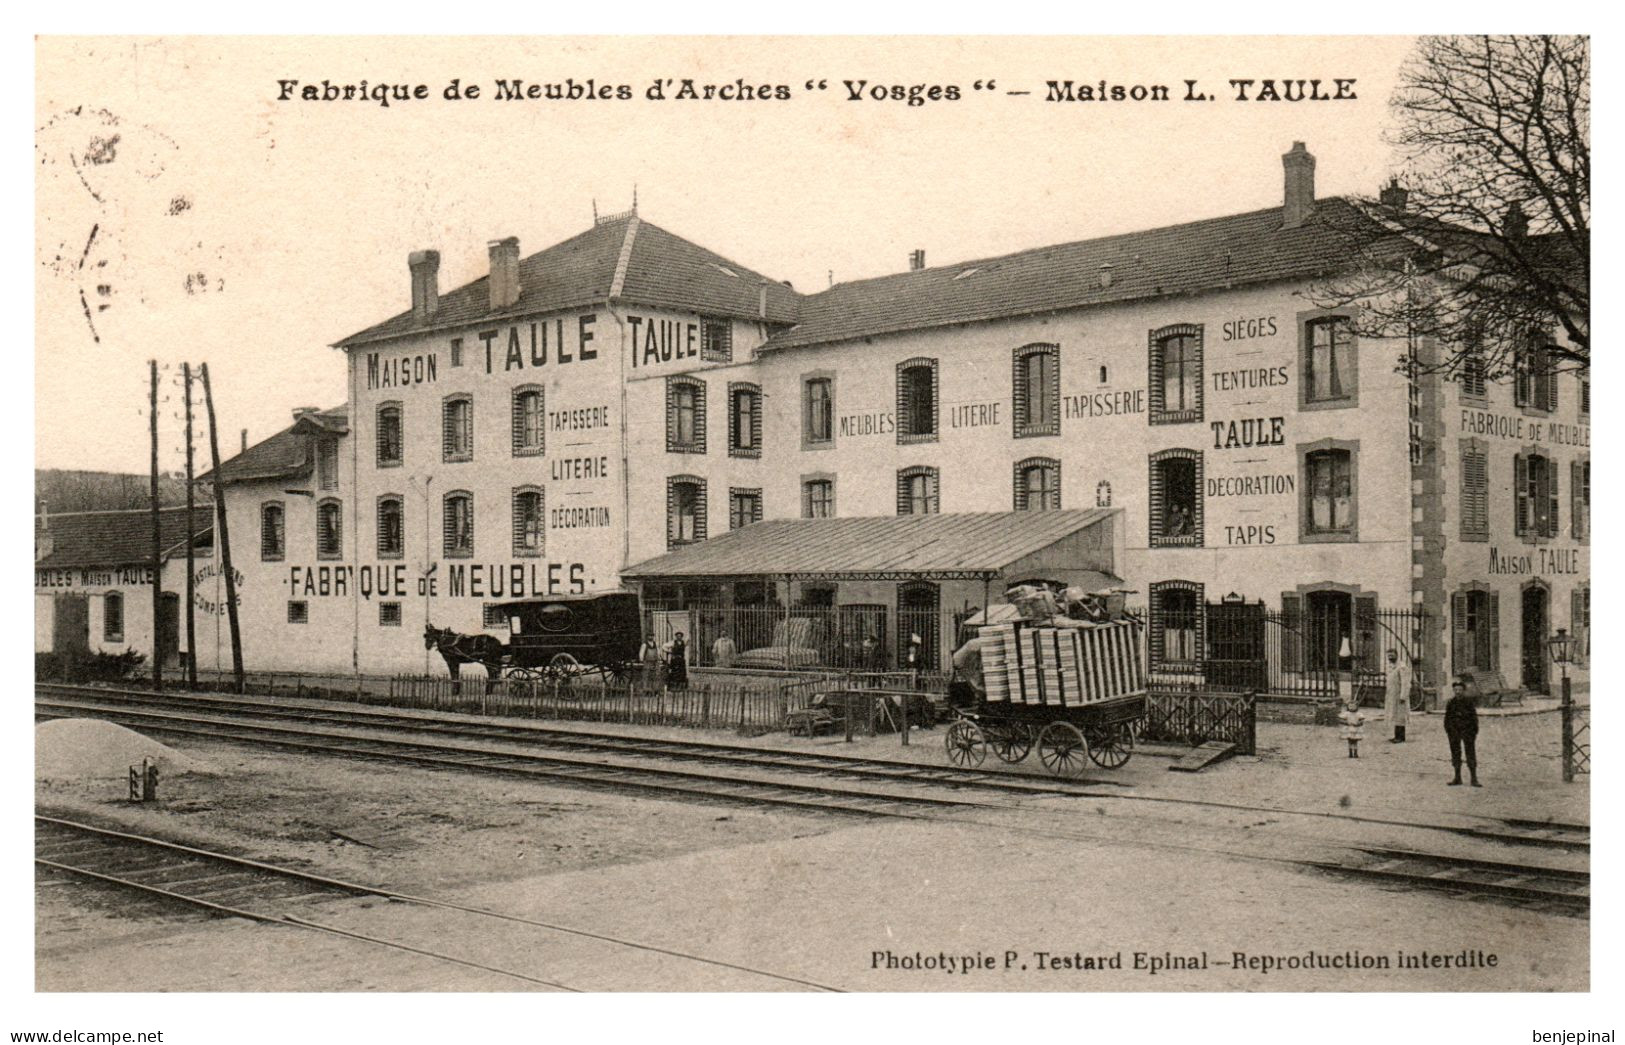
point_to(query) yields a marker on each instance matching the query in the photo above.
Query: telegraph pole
(157, 542)
(223, 538)
(191, 536)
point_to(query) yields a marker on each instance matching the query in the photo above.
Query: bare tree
(1484, 242)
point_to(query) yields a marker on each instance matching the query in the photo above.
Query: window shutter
(1554, 516)
(446, 440)
(517, 502)
(1552, 382)
(671, 415)
(1198, 497)
(518, 422)
(1020, 417)
(1520, 487)
(1365, 630)
(1468, 518)
(1520, 382)
(735, 397)
(1481, 493)
(1291, 632)
(905, 418)
(756, 422)
(1019, 486)
(1157, 501)
(902, 493)
(1156, 401)
(671, 512)
(1495, 631)
(699, 416)
(1460, 650)
(1157, 628)
(699, 510)
(448, 525)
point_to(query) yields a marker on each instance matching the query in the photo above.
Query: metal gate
(1576, 739)
(1236, 659)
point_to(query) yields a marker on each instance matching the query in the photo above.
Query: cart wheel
(1010, 742)
(967, 746)
(562, 667)
(1062, 749)
(524, 674)
(1111, 746)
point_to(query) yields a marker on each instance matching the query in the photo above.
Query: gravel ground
(815, 898)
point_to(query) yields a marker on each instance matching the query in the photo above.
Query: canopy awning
(981, 546)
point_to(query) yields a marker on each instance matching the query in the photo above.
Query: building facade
(626, 394)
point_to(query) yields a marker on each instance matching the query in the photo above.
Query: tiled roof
(283, 455)
(117, 538)
(975, 542)
(663, 271)
(1180, 259)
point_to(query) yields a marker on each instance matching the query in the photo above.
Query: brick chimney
(504, 272)
(1394, 196)
(425, 266)
(916, 260)
(1299, 166)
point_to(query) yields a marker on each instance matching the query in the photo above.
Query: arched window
(1038, 484)
(457, 524)
(1176, 625)
(917, 401)
(389, 435)
(529, 417)
(744, 419)
(113, 617)
(685, 415)
(818, 497)
(685, 510)
(1175, 374)
(1175, 511)
(917, 491)
(391, 527)
(329, 529)
(1036, 390)
(528, 521)
(457, 428)
(273, 533)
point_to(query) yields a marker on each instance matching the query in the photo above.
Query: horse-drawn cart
(1073, 690)
(557, 638)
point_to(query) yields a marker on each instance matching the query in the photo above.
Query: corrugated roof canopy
(971, 546)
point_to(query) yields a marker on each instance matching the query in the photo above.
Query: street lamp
(1561, 647)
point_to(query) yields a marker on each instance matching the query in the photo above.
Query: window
(1534, 384)
(1580, 499)
(1038, 484)
(1475, 490)
(917, 401)
(1175, 512)
(818, 497)
(1330, 482)
(493, 617)
(389, 435)
(1174, 375)
(457, 428)
(457, 524)
(685, 415)
(817, 411)
(744, 419)
(273, 535)
(456, 351)
(1103, 494)
(1475, 641)
(1036, 391)
(391, 527)
(1176, 625)
(529, 421)
(1471, 375)
(1580, 621)
(329, 530)
(1330, 363)
(744, 507)
(716, 340)
(113, 617)
(685, 510)
(528, 514)
(389, 614)
(1585, 395)
(327, 464)
(298, 612)
(1534, 479)
(917, 491)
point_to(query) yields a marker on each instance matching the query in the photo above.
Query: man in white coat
(1397, 694)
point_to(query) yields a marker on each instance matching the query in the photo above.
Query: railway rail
(235, 886)
(1555, 888)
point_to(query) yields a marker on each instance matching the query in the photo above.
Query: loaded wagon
(567, 636)
(1073, 689)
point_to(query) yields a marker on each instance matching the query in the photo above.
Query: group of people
(668, 666)
(1460, 718)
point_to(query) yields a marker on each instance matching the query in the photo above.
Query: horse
(458, 650)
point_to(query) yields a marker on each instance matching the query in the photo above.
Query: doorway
(169, 629)
(1536, 622)
(71, 633)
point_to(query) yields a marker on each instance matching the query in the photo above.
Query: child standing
(1353, 725)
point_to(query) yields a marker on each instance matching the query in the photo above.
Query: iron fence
(847, 638)
(1191, 714)
(1576, 739)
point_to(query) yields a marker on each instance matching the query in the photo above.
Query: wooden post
(223, 538)
(157, 543)
(191, 536)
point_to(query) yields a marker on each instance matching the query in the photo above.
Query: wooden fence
(1192, 715)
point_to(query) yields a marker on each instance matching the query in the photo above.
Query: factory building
(1229, 451)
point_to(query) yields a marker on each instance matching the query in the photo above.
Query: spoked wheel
(1062, 749)
(562, 667)
(1010, 742)
(967, 746)
(524, 674)
(1111, 746)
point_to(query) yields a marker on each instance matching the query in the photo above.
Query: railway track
(1558, 889)
(233, 886)
(664, 750)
